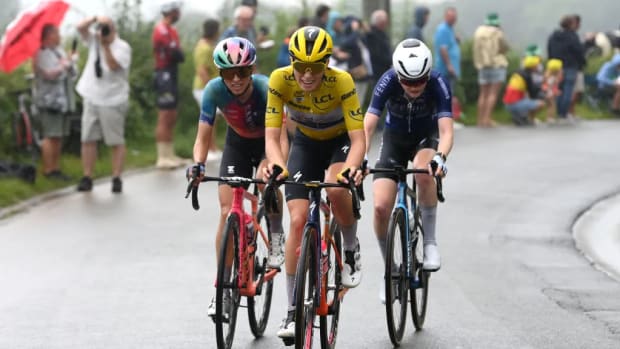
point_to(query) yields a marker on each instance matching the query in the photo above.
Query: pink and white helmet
(234, 52)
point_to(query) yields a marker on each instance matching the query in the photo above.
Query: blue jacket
(609, 72)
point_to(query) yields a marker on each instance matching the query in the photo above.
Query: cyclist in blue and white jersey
(418, 128)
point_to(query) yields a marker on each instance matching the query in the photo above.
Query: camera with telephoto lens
(104, 28)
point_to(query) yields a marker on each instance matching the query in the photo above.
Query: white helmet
(412, 59)
(166, 6)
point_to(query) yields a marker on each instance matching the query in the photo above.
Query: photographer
(104, 87)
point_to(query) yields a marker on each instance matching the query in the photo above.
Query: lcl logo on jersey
(323, 99)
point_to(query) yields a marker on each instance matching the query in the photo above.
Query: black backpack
(25, 172)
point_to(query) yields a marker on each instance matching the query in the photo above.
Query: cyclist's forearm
(358, 149)
(284, 144)
(273, 150)
(370, 125)
(446, 136)
(201, 146)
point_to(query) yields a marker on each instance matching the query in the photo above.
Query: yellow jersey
(322, 114)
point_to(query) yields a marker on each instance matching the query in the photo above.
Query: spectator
(608, 78)
(551, 87)
(321, 16)
(168, 56)
(521, 93)
(378, 43)
(448, 52)
(53, 72)
(489, 50)
(420, 18)
(357, 61)
(206, 70)
(104, 87)
(335, 27)
(580, 80)
(537, 75)
(564, 45)
(243, 26)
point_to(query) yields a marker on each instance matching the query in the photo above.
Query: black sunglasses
(414, 82)
(241, 72)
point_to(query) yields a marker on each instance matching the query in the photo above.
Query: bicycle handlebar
(271, 198)
(233, 181)
(405, 171)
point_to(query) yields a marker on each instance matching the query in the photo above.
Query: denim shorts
(491, 75)
(521, 110)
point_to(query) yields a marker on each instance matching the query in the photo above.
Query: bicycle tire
(305, 289)
(419, 288)
(329, 323)
(260, 304)
(225, 336)
(395, 275)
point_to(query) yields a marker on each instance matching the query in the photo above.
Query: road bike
(244, 248)
(318, 286)
(405, 254)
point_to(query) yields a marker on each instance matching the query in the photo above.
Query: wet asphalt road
(136, 270)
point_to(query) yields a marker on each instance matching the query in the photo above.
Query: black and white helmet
(412, 59)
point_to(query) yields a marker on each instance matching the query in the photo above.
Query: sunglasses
(314, 68)
(241, 72)
(413, 82)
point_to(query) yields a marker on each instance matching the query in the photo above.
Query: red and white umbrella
(22, 38)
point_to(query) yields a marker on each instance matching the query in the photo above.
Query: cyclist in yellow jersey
(329, 139)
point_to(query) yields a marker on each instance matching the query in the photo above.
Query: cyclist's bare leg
(89, 156)
(341, 206)
(384, 194)
(118, 159)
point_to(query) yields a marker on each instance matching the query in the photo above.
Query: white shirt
(112, 88)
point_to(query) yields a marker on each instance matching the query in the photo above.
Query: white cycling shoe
(432, 259)
(287, 328)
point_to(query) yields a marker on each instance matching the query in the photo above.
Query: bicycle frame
(318, 206)
(246, 249)
(403, 192)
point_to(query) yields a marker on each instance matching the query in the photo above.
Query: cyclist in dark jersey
(418, 128)
(242, 98)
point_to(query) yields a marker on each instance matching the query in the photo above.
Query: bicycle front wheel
(419, 284)
(305, 290)
(227, 297)
(396, 282)
(333, 286)
(259, 306)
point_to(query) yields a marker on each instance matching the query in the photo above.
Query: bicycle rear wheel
(419, 284)
(396, 282)
(305, 290)
(227, 297)
(333, 286)
(259, 306)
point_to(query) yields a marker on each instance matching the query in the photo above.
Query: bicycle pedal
(288, 341)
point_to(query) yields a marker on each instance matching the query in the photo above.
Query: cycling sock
(349, 237)
(429, 216)
(383, 247)
(275, 223)
(290, 291)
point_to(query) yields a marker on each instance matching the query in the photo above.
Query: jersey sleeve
(443, 96)
(209, 106)
(275, 104)
(381, 93)
(351, 110)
